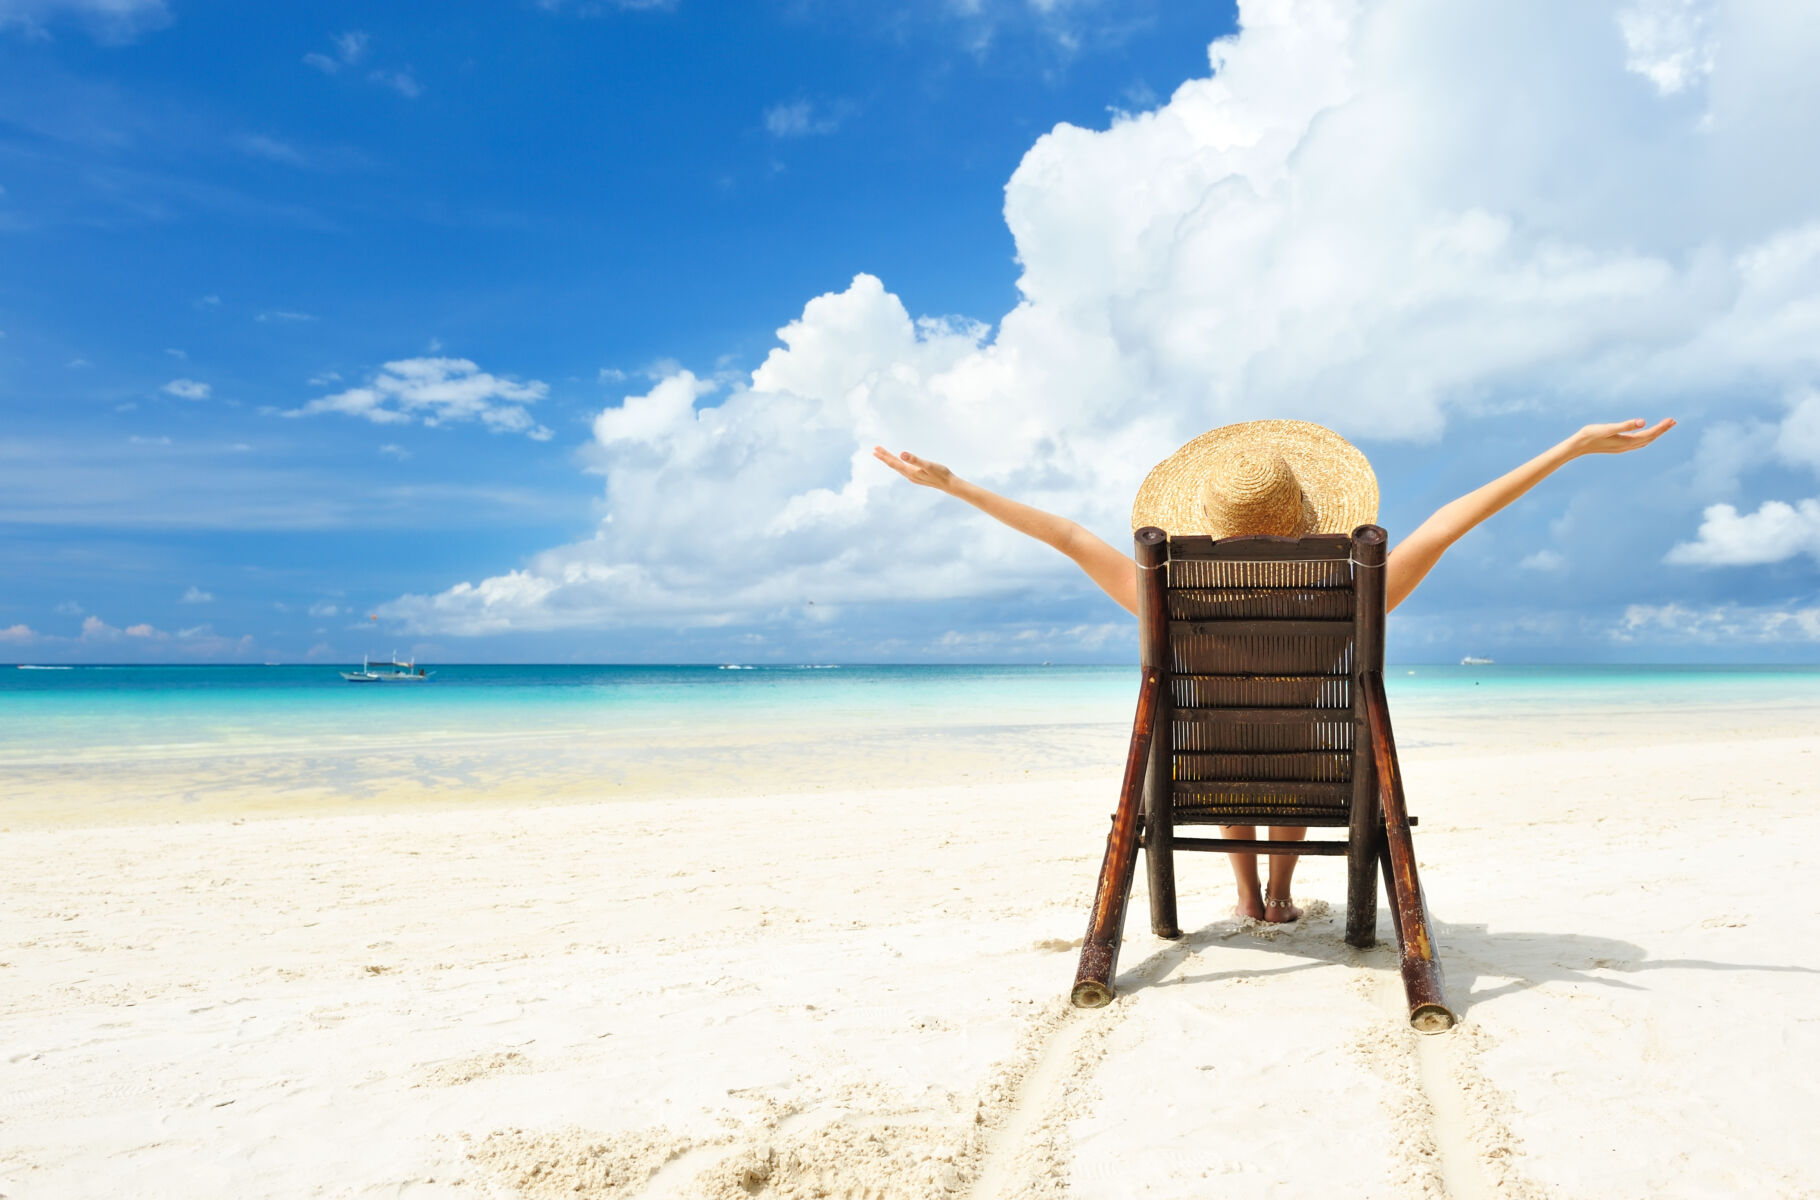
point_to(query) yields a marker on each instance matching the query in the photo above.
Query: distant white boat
(1470, 661)
(392, 671)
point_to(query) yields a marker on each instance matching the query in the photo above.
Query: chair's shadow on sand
(1481, 965)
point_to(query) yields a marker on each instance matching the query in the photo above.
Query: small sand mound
(845, 1162)
(1313, 912)
(466, 1070)
(574, 1163)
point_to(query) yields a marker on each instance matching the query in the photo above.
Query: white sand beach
(855, 988)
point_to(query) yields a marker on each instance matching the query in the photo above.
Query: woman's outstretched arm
(1417, 553)
(1115, 573)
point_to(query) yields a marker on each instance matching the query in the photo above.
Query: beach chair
(1262, 703)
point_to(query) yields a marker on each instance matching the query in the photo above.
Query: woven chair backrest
(1262, 678)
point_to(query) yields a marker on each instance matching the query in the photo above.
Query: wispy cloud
(281, 316)
(183, 483)
(804, 118)
(196, 641)
(1669, 42)
(141, 640)
(94, 629)
(115, 21)
(1065, 27)
(595, 8)
(350, 50)
(260, 145)
(400, 80)
(186, 389)
(195, 595)
(438, 391)
(1718, 623)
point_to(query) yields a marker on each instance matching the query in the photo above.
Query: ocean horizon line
(705, 664)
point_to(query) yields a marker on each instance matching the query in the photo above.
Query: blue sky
(553, 332)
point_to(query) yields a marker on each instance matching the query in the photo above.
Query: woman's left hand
(1619, 436)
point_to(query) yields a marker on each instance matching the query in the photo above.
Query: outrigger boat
(392, 671)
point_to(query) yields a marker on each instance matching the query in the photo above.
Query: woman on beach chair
(1281, 478)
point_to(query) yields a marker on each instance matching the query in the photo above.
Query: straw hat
(1286, 478)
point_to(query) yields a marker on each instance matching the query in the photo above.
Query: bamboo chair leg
(1428, 1010)
(1390, 889)
(1106, 927)
(1106, 923)
(1422, 982)
(1365, 845)
(1159, 857)
(1362, 891)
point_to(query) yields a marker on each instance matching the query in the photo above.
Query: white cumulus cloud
(195, 595)
(187, 389)
(1775, 532)
(438, 391)
(1798, 436)
(17, 634)
(1372, 215)
(1543, 560)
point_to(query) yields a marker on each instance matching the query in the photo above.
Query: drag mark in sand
(1009, 1143)
(1026, 1151)
(1448, 1119)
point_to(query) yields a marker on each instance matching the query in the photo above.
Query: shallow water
(82, 711)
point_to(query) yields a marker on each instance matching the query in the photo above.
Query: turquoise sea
(47, 713)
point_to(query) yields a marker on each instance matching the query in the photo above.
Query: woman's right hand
(917, 470)
(1619, 436)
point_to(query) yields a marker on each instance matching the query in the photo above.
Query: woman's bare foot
(1249, 906)
(1281, 912)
